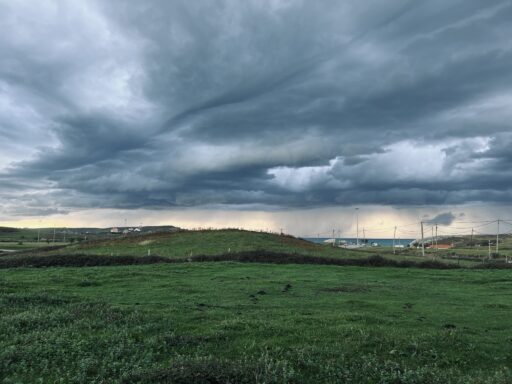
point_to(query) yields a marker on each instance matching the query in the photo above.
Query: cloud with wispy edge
(269, 104)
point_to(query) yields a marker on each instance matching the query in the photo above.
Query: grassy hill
(207, 242)
(182, 244)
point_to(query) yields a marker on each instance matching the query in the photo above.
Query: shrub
(81, 260)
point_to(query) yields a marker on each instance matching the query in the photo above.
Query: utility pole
(38, 231)
(364, 237)
(422, 241)
(498, 239)
(54, 234)
(437, 248)
(394, 236)
(432, 238)
(471, 242)
(333, 239)
(489, 249)
(357, 226)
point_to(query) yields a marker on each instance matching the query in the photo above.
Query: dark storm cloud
(445, 218)
(277, 103)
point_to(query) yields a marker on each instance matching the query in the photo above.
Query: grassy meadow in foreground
(236, 323)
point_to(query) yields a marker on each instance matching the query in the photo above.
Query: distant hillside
(8, 230)
(66, 235)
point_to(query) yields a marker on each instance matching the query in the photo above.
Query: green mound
(208, 242)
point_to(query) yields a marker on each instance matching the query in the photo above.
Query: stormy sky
(262, 111)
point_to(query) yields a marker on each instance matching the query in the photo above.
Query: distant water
(381, 242)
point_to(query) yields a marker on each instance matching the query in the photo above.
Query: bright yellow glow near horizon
(376, 221)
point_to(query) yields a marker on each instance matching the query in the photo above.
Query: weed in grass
(209, 370)
(88, 283)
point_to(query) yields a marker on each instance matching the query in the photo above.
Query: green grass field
(230, 322)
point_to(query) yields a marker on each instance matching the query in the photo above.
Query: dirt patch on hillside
(301, 243)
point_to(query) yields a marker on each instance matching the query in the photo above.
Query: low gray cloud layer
(273, 104)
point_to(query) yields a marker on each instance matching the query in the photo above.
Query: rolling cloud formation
(259, 103)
